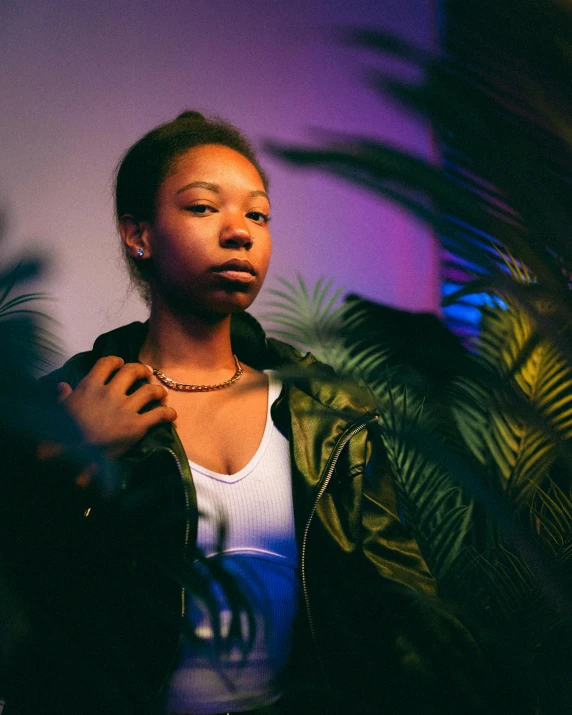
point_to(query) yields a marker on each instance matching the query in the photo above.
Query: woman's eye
(258, 216)
(201, 209)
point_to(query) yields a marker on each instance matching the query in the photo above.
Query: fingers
(128, 374)
(119, 374)
(64, 391)
(146, 394)
(108, 416)
(163, 413)
(104, 368)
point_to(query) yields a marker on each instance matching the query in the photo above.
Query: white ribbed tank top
(260, 552)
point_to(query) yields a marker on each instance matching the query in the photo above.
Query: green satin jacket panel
(358, 509)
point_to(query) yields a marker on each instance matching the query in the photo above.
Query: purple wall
(83, 80)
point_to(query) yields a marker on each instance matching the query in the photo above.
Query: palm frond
(436, 509)
(518, 408)
(7, 305)
(311, 319)
(551, 516)
(25, 329)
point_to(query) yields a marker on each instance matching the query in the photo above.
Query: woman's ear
(135, 236)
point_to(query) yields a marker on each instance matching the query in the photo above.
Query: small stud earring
(140, 252)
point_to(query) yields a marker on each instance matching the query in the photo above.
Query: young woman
(190, 408)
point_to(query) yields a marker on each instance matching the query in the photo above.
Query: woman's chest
(222, 431)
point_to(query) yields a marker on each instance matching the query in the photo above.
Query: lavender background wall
(82, 80)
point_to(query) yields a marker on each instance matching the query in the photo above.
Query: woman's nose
(236, 236)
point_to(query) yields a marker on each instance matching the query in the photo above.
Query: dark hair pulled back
(145, 165)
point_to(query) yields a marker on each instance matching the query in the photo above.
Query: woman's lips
(232, 275)
(236, 270)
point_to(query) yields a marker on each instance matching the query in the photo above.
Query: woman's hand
(106, 414)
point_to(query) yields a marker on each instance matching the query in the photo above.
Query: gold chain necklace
(183, 387)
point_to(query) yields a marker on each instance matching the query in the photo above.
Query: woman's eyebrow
(252, 194)
(216, 188)
(200, 185)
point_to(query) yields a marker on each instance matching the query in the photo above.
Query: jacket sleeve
(386, 542)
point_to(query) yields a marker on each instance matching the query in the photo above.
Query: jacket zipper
(187, 523)
(187, 531)
(323, 486)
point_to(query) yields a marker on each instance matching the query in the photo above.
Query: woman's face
(209, 241)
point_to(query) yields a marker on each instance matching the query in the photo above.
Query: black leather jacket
(367, 591)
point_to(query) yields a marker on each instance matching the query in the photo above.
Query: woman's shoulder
(72, 371)
(312, 380)
(125, 342)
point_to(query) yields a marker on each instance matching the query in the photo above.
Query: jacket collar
(316, 380)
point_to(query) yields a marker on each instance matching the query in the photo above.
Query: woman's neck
(188, 348)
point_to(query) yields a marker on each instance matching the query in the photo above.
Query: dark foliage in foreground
(479, 437)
